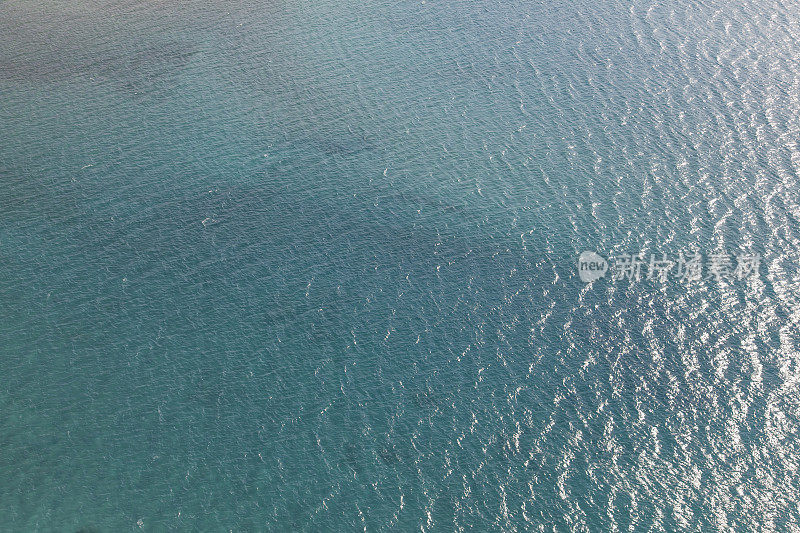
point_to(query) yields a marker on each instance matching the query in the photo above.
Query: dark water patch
(343, 143)
(139, 66)
(344, 146)
(388, 453)
(28, 196)
(136, 68)
(351, 455)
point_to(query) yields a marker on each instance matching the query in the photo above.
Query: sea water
(312, 266)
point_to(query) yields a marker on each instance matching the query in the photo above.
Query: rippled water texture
(312, 266)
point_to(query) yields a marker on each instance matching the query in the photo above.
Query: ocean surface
(312, 266)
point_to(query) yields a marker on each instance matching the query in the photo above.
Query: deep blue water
(306, 266)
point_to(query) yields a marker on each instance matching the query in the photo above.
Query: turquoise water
(312, 267)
